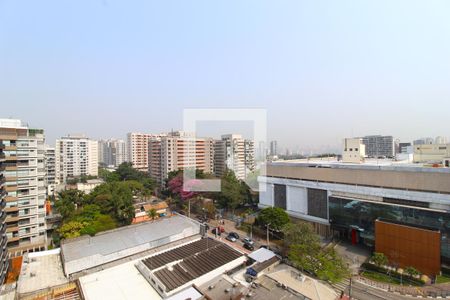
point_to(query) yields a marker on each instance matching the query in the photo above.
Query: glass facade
(347, 215)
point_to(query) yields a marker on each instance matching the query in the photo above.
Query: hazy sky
(324, 70)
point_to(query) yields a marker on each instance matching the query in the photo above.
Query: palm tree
(152, 214)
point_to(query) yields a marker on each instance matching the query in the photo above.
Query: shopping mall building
(402, 210)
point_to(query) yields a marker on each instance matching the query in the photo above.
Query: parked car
(249, 246)
(231, 238)
(248, 240)
(234, 234)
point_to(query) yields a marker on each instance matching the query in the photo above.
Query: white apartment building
(23, 171)
(178, 151)
(354, 151)
(234, 153)
(137, 146)
(112, 152)
(76, 155)
(50, 169)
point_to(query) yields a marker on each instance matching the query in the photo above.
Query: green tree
(233, 192)
(305, 252)
(65, 207)
(379, 259)
(71, 229)
(152, 214)
(301, 233)
(275, 216)
(330, 266)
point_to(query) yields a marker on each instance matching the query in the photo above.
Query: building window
(318, 203)
(279, 191)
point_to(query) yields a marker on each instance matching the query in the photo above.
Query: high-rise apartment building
(137, 146)
(178, 151)
(24, 191)
(273, 148)
(379, 146)
(50, 169)
(76, 155)
(234, 153)
(3, 238)
(112, 152)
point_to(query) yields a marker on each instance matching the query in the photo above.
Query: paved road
(364, 292)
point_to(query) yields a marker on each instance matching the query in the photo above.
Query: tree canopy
(305, 252)
(275, 217)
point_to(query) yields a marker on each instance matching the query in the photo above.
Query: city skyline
(322, 71)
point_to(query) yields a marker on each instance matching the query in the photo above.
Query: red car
(219, 230)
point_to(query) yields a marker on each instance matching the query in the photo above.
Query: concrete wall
(436, 181)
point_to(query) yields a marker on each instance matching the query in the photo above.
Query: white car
(248, 240)
(231, 238)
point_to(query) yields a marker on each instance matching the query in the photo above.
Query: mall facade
(347, 200)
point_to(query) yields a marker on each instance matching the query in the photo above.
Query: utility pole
(267, 226)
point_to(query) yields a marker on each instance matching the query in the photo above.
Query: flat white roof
(189, 293)
(122, 282)
(41, 270)
(261, 255)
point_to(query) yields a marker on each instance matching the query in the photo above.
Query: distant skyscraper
(112, 152)
(441, 140)
(234, 153)
(424, 141)
(273, 148)
(379, 146)
(76, 155)
(22, 177)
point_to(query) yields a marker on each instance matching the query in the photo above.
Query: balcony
(11, 188)
(11, 178)
(10, 167)
(13, 239)
(12, 229)
(11, 148)
(11, 158)
(11, 199)
(12, 218)
(11, 209)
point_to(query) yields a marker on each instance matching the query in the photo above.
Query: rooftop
(300, 283)
(41, 270)
(369, 164)
(262, 254)
(121, 282)
(196, 264)
(87, 252)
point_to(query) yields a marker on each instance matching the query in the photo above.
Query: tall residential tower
(76, 155)
(23, 176)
